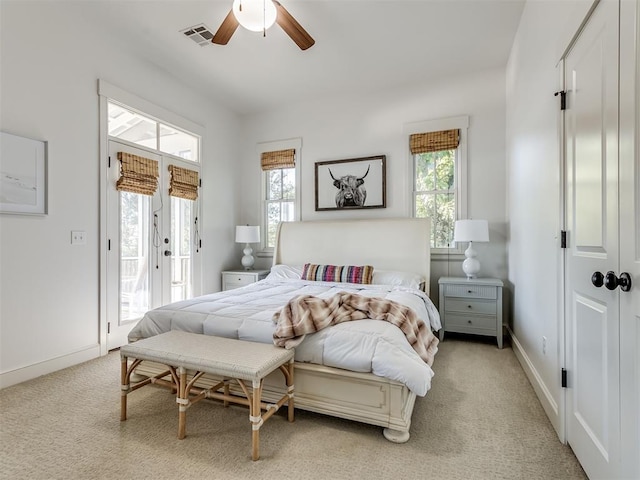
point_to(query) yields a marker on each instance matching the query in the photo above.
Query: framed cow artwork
(353, 183)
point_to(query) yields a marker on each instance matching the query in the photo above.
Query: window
(279, 162)
(434, 193)
(279, 202)
(438, 155)
(143, 130)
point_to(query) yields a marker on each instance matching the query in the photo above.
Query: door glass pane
(178, 143)
(181, 287)
(134, 256)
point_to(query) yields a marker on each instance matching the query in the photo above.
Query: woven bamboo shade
(184, 183)
(137, 174)
(279, 159)
(434, 141)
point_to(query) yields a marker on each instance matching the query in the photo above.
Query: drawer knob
(469, 321)
(469, 291)
(469, 306)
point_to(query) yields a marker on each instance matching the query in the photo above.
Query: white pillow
(285, 271)
(402, 279)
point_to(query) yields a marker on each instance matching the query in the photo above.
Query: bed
(332, 377)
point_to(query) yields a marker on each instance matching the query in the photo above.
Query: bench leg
(256, 419)
(225, 403)
(124, 389)
(183, 402)
(290, 392)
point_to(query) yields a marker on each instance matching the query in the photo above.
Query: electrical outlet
(544, 345)
(78, 237)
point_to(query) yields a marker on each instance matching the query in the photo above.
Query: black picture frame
(351, 184)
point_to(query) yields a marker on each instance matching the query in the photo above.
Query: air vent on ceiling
(199, 34)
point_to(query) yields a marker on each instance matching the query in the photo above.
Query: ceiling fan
(259, 15)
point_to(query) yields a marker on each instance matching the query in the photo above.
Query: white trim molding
(547, 401)
(19, 375)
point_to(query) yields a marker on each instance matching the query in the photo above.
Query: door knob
(597, 279)
(625, 282)
(612, 282)
(167, 253)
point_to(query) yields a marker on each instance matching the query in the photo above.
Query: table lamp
(471, 231)
(247, 234)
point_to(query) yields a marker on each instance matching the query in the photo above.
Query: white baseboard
(23, 374)
(549, 404)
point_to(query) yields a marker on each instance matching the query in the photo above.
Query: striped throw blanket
(308, 314)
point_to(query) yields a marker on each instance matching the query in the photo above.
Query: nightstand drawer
(471, 291)
(460, 322)
(238, 279)
(462, 305)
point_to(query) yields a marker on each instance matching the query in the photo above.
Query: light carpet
(480, 420)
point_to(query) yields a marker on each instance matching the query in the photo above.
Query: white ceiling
(360, 45)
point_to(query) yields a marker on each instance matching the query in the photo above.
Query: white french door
(152, 244)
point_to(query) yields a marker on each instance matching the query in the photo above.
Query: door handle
(612, 282)
(597, 279)
(167, 253)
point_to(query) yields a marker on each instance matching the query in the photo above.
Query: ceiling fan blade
(292, 28)
(226, 29)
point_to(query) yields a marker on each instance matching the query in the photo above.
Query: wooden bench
(199, 354)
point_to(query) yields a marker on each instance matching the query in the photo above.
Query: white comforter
(362, 346)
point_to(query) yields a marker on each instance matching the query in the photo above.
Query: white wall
(49, 290)
(534, 179)
(364, 125)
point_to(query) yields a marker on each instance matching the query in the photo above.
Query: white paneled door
(597, 285)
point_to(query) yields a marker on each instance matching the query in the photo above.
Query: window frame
(460, 180)
(296, 144)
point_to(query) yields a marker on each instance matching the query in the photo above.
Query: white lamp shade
(255, 15)
(471, 231)
(247, 234)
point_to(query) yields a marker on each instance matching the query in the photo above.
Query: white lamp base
(247, 260)
(471, 266)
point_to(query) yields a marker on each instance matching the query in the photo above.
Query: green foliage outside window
(280, 201)
(434, 194)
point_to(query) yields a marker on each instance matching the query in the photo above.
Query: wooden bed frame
(399, 244)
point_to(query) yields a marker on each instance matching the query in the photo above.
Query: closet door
(592, 314)
(630, 235)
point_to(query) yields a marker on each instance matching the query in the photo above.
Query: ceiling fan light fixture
(255, 15)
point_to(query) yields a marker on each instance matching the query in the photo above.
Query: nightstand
(471, 306)
(240, 278)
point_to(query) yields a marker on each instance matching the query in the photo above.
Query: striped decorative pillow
(333, 273)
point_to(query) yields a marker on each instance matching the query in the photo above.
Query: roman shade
(434, 141)
(184, 183)
(137, 174)
(278, 159)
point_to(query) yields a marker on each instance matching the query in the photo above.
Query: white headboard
(400, 244)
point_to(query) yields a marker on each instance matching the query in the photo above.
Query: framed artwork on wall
(354, 183)
(23, 175)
